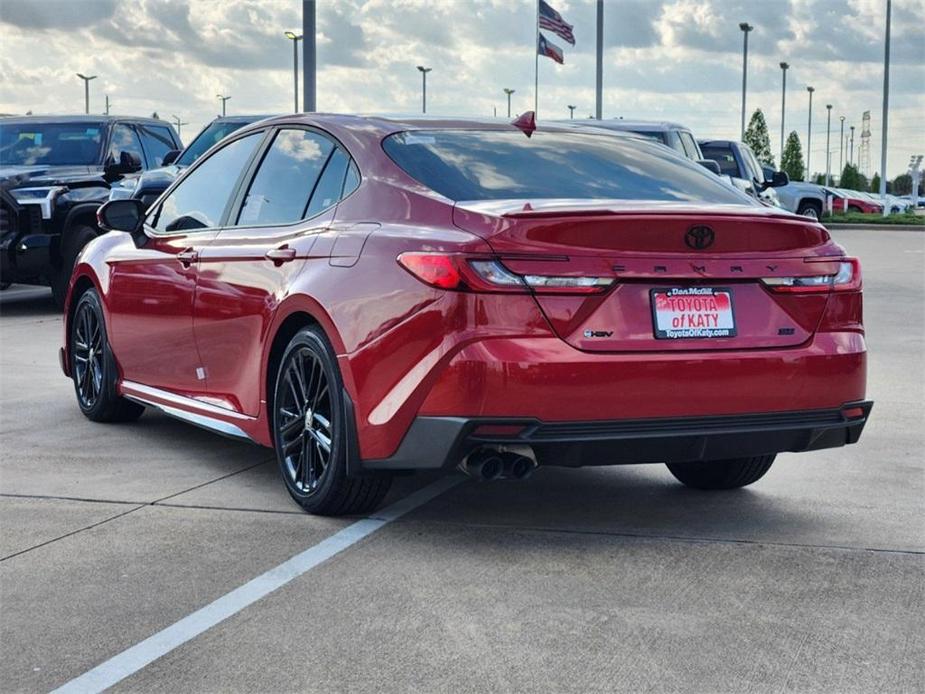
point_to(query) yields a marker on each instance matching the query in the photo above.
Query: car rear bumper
(442, 442)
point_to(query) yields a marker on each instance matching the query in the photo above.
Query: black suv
(55, 171)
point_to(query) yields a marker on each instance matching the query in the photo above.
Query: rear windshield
(722, 155)
(497, 165)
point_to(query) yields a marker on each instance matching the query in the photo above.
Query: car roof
(637, 125)
(384, 125)
(242, 118)
(721, 143)
(84, 118)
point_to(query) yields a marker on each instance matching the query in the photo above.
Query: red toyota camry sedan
(370, 295)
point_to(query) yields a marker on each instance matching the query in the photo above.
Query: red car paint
(196, 316)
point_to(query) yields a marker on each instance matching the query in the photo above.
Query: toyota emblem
(699, 237)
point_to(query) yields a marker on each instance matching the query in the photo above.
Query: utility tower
(864, 150)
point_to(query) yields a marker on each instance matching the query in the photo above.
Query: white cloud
(673, 59)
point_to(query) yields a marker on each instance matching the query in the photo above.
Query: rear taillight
(480, 274)
(846, 278)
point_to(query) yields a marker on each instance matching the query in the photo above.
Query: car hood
(31, 176)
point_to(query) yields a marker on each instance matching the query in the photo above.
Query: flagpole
(536, 62)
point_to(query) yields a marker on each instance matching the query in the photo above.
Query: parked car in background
(674, 135)
(737, 161)
(149, 185)
(852, 201)
(807, 199)
(369, 296)
(55, 172)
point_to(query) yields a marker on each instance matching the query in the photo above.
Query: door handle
(188, 257)
(281, 255)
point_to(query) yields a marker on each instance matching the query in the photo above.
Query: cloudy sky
(664, 59)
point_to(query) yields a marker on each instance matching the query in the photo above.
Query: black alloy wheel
(93, 368)
(309, 432)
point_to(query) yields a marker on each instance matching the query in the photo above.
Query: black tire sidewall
(336, 472)
(108, 394)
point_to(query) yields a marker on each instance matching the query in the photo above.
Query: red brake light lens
(431, 268)
(847, 278)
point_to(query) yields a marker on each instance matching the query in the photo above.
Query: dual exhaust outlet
(486, 464)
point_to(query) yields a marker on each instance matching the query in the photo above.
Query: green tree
(850, 178)
(791, 162)
(875, 183)
(756, 137)
(902, 184)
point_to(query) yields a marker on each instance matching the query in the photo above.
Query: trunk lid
(661, 264)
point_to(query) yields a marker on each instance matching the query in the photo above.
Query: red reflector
(853, 413)
(498, 430)
(430, 268)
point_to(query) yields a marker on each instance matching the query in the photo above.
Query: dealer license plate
(692, 312)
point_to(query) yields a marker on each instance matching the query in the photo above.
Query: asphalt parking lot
(615, 579)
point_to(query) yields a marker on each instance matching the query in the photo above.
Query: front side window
(284, 182)
(124, 139)
(32, 143)
(157, 141)
(503, 164)
(199, 200)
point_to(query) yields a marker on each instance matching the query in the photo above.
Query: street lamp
(809, 132)
(571, 111)
(179, 123)
(841, 147)
(508, 91)
(424, 71)
(224, 99)
(783, 107)
(745, 27)
(851, 149)
(295, 38)
(86, 90)
(828, 139)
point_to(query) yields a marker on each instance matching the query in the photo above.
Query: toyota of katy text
(370, 296)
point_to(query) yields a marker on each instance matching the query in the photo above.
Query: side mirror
(171, 157)
(128, 163)
(778, 180)
(122, 215)
(711, 165)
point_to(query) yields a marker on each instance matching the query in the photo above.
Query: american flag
(552, 21)
(550, 50)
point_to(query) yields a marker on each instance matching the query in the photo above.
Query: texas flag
(550, 50)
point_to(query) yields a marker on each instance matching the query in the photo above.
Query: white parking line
(144, 653)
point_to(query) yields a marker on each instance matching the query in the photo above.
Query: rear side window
(723, 156)
(690, 147)
(327, 191)
(503, 164)
(124, 139)
(199, 200)
(283, 185)
(157, 142)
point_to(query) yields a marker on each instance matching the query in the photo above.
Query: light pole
(179, 123)
(886, 111)
(914, 163)
(508, 91)
(783, 106)
(745, 27)
(295, 38)
(851, 149)
(86, 80)
(828, 139)
(841, 147)
(107, 104)
(809, 134)
(424, 71)
(224, 99)
(571, 111)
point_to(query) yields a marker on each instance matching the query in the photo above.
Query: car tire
(93, 367)
(722, 474)
(810, 209)
(72, 244)
(310, 432)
